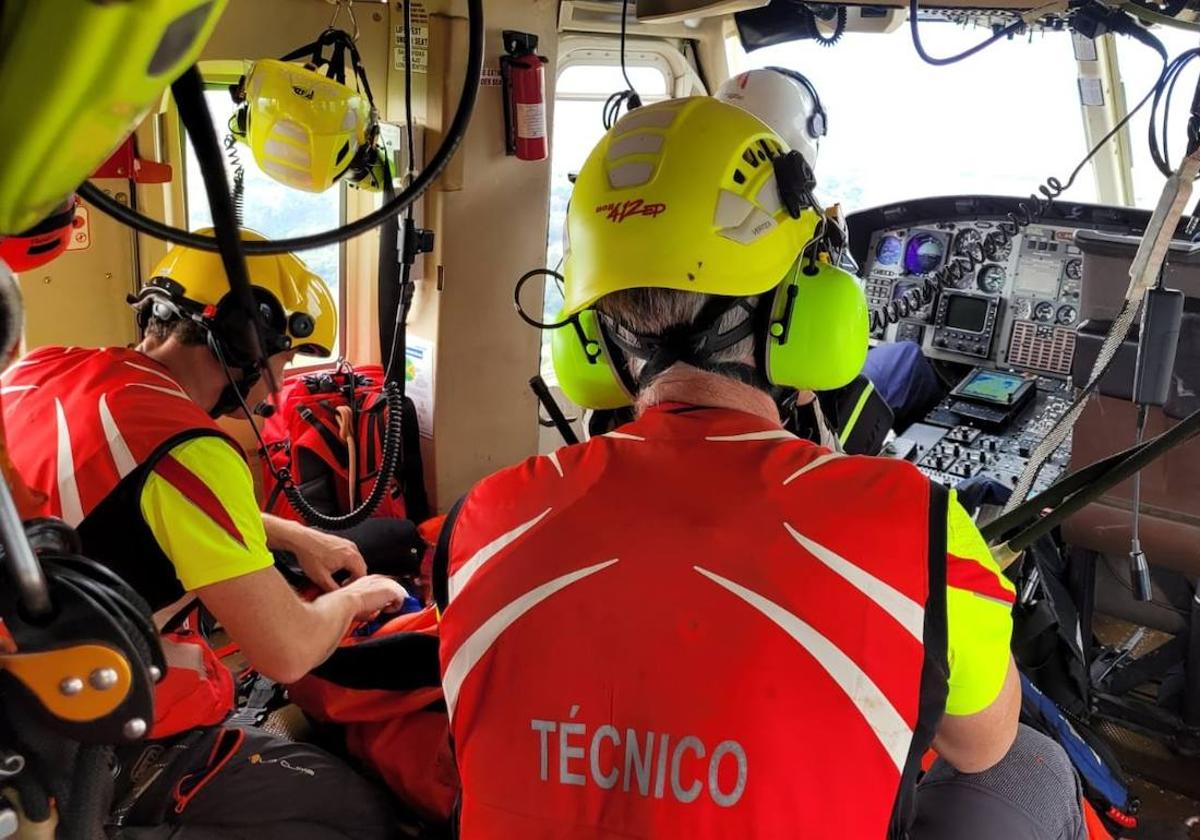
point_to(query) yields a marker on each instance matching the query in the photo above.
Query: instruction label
(491, 78)
(531, 121)
(420, 40)
(418, 381)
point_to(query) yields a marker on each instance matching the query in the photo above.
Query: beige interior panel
(79, 298)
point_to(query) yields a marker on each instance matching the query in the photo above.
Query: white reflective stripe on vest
(877, 710)
(461, 577)
(478, 643)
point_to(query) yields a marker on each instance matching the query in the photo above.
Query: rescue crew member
(124, 445)
(699, 625)
(897, 381)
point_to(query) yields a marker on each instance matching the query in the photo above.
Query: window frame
(218, 75)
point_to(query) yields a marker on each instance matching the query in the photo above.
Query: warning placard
(420, 40)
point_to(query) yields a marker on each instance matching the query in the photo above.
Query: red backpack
(329, 431)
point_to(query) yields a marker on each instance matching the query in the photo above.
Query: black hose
(188, 90)
(454, 137)
(387, 468)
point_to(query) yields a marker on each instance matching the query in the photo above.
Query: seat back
(1170, 492)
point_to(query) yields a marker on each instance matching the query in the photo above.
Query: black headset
(818, 120)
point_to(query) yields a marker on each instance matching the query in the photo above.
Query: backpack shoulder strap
(441, 557)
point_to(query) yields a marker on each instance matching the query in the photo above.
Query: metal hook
(348, 5)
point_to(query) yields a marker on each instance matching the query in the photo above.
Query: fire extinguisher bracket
(523, 75)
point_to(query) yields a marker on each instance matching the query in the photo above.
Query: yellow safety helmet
(681, 195)
(76, 77)
(297, 307)
(304, 129)
(700, 196)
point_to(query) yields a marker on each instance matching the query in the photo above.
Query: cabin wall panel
(490, 232)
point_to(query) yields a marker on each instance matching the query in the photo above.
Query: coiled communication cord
(239, 178)
(840, 18)
(1035, 207)
(387, 466)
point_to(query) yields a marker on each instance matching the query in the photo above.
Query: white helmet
(786, 101)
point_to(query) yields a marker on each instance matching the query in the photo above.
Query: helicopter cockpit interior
(1009, 182)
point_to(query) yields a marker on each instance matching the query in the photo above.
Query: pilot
(698, 624)
(897, 384)
(125, 447)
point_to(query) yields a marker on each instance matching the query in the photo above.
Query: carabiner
(348, 5)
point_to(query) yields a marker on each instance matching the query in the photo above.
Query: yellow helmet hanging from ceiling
(680, 194)
(76, 77)
(304, 129)
(298, 308)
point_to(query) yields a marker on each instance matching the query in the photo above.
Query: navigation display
(966, 313)
(992, 386)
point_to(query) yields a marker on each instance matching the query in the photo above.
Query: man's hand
(319, 554)
(374, 594)
(322, 555)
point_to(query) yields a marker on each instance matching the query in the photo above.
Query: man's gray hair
(652, 312)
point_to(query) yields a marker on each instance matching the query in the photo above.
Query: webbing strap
(337, 448)
(341, 43)
(935, 673)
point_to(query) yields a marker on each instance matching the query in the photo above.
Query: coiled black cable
(840, 19)
(239, 179)
(383, 479)
(392, 440)
(1039, 202)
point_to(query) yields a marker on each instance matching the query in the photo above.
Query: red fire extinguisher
(524, 77)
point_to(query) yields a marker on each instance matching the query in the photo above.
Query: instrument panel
(1017, 307)
(1011, 313)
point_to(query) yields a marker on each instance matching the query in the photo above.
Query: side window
(269, 207)
(581, 92)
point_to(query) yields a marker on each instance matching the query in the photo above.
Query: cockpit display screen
(966, 313)
(924, 253)
(992, 386)
(888, 250)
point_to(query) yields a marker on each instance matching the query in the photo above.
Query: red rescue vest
(695, 626)
(85, 428)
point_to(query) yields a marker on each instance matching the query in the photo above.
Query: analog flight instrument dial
(996, 246)
(1066, 315)
(923, 253)
(991, 279)
(1044, 311)
(969, 241)
(887, 252)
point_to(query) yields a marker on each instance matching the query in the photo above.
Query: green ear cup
(583, 364)
(817, 338)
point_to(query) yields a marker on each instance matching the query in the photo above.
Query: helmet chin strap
(235, 393)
